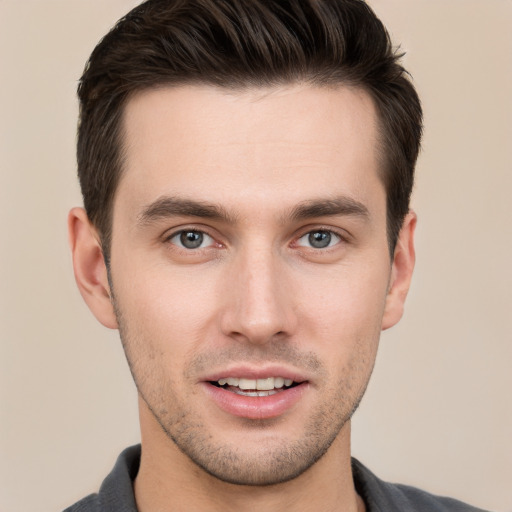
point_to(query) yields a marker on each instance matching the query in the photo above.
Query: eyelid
(342, 234)
(177, 230)
(334, 240)
(199, 228)
(206, 239)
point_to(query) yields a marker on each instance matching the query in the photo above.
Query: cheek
(171, 311)
(343, 322)
(347, 301)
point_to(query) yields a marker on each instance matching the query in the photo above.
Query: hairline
(239, 87)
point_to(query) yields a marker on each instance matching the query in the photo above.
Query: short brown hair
(239, 44)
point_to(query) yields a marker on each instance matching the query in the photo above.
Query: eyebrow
(342, 205)
(169, 206)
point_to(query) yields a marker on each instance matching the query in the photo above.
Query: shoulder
(424, 501)
(382, 496)
(116, 492)
(88, 504)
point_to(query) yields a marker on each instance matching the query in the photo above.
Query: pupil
(191, 239)
(320, 239)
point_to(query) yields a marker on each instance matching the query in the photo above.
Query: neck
(168, 480)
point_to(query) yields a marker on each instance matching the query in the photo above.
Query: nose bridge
(259, 307)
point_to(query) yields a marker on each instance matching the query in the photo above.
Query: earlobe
(401, 273)
(89, 267)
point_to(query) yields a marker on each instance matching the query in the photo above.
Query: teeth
(265, 384)
(247, 384)
(278, 382)
(256, 384)
(256, 393)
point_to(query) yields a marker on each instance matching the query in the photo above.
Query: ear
(89, 266)
(401, 273)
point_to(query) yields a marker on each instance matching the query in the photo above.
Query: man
(246, 168)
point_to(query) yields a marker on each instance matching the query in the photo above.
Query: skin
(255, 294)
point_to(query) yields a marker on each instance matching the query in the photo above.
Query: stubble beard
(274, 462)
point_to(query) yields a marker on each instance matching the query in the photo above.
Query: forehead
(276, 144)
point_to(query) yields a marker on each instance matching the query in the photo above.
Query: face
(250, 270)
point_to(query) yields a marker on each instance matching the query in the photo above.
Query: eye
(319, 239)
(191, 239)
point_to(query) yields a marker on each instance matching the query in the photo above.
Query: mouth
(256, 395)
(255, 387)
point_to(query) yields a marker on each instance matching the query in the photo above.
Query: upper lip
(252, 372)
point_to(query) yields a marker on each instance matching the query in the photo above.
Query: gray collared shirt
(116, 492)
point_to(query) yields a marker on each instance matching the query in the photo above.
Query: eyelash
(182, 232)
(328, 231)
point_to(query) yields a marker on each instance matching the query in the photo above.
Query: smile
(255, 396)
(254, 387)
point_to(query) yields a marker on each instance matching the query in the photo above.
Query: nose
(259, 305)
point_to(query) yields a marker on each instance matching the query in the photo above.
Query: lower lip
(255, 407)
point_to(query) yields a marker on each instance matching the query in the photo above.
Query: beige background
(438, 413)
